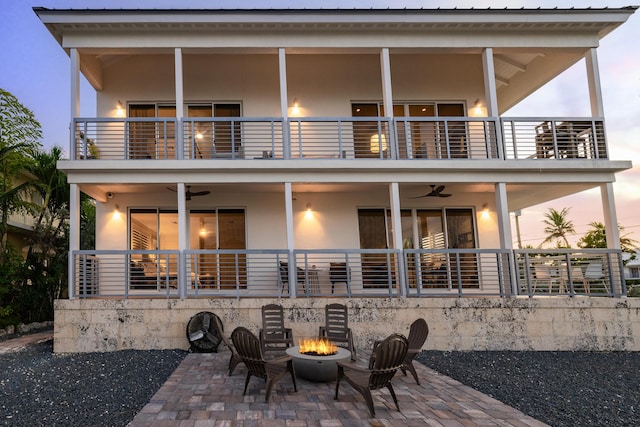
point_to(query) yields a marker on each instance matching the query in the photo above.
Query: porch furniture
(593, 275)
(338, 273)
(284, 275)
(273, 335)
(389, 356)
(544, 277)
(248, 347)
(235, 357)
(336, 327)
(418, 333)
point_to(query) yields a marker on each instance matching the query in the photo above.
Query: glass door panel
(231, 235)
(142, 135)
(424, 135)
(227, 138)
(166, 147)
(460, 232)
(456, 132)
(365, 144)
(202, 131)
(373, 235)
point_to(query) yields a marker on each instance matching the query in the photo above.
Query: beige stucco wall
(563, 324)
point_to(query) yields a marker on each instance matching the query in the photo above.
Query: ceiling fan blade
(199, 193)
(437, 190)
(444, 195)
(172, 189)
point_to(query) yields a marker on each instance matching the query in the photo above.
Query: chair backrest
(338, 272)
(576, 274)
(418, 333)
(542, 271)
(284, 272)
(220, 329)
(388, 358)
(249, 349)
(273, 321)
(593, 271)
(336, 320)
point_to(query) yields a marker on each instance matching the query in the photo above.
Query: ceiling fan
(435, 192)
(189, 194)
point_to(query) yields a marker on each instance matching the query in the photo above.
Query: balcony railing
(558, 138)
(347, 273)
(415, 138)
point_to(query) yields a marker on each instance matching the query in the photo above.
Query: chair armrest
(280, 359)
(352, 367)
(322, 332)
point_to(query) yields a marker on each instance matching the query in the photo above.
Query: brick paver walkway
(199, 393)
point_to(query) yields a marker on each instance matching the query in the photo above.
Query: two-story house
(244, 156)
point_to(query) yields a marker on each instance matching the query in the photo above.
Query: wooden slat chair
(336, 327)
(235, 357)
(248, 347)
(273, 335)
(389, 356)
(418, 333)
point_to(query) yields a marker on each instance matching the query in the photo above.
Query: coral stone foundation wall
(557, 323)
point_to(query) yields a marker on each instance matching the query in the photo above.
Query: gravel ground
(558, 388)
(39, 388)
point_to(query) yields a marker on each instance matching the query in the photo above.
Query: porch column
(593, 79)
(491, 94)
(284, 103)
(182, 241)
(504, 230)
(396, 224)
(179, 104)
(288, 213)
(74, 96)
(610, 216)
(387, 96)
(74, 234)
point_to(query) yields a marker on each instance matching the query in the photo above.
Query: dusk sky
(35, 69)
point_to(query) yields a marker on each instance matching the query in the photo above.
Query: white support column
(491, 94)
(284, 103)
(179, 149)
(288, 212)
(504, 231)
(387, 96)
(396, 226)
(74, 234)
(74, 96)
(593, 78)
(182, 241)
(610, 216)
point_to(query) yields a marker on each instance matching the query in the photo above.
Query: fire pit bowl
(319, 368)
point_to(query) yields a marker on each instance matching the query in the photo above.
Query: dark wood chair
(418, 333)
(389, 355)
(284, 275)
(235, 357)
(336, 327)
(273, 335)
(338, 273)
(250, 351)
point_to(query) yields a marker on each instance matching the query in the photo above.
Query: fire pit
(315, 359)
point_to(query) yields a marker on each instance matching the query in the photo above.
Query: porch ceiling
(520, 196)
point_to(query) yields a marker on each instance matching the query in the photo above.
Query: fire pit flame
(317, 347)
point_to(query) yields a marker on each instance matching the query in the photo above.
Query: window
(448, 228)
(435, 139)
(217, 229)
(216, 138)
(152, 139)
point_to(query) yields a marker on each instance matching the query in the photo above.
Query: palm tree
(558, 227)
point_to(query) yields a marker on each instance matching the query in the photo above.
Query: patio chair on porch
(250, 351)
(593, 275)
(338, 273)
(389, 356)
(235, 357)
(273, 335)
(284, 275)
(418, 333)
(336, 327)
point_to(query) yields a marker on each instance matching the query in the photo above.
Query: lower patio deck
(200, 392)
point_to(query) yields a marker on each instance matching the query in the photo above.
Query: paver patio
(200, 393)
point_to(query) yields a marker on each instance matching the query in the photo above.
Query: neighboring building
(259, 154)
(20, 225)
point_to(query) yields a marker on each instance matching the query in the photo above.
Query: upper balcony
(340, 138)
